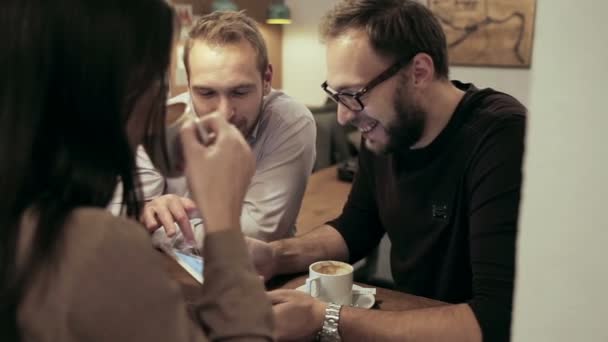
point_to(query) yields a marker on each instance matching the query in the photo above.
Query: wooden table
(385, 299)
(323, 200)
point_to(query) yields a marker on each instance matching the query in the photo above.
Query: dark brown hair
(230, 27)
(72, 72)
(396, 28)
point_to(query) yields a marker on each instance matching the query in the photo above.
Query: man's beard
(406, 130)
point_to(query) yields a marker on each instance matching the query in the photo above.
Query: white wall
(562, 281)
(303, 55)
(304, 59)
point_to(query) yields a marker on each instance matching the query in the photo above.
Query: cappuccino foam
(331, 269)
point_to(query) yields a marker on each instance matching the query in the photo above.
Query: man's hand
(165, 211)
(297, 316)
(218, 171)
(263, 257)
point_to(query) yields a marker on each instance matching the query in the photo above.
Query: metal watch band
(329, 332)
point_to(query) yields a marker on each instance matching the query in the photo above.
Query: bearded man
(439, 173)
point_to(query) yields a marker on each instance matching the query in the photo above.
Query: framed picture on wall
(497, 33)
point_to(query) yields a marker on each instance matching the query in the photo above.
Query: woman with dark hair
(83, 84)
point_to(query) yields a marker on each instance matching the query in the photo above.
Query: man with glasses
(439, 172)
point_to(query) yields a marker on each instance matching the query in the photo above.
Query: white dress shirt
(283, 143)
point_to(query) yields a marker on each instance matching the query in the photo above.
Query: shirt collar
(253, 136)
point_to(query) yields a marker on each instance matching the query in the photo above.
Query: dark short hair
(227, 27)
(396, 28)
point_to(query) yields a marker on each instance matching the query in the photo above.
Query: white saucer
(364, 301)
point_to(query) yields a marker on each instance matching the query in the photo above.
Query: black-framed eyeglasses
(352, 101)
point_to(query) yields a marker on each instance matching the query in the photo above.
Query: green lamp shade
(278, 14)
(224, 5)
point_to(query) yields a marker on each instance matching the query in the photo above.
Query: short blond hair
(227, 27)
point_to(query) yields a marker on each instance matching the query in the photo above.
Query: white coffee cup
(331, 282)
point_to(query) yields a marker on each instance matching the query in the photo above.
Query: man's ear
(423, 70)
(267, 79)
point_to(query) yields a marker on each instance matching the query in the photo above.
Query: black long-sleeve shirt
(449, 209)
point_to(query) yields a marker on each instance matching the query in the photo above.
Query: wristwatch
(329, 332)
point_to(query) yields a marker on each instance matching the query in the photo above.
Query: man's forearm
(451, 323)
(296, 254)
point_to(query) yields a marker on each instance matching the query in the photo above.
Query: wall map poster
(487, 32)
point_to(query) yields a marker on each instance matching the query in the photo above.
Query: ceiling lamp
(224, 5)
(278, 13)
